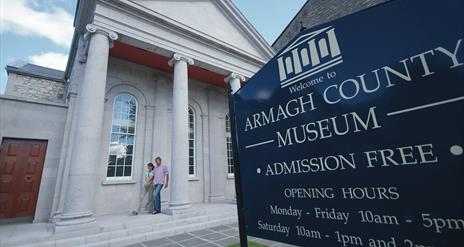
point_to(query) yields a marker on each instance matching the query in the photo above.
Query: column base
(76, 222)
(178, 208)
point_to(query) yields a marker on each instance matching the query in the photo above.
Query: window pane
(122, 139)
(122, 97)
(117, 107)
(131, 130)
(115, 128)
(133, 109)
(132, 117)
(120, 161)
(127, 171)
(119, 171)
(112, 160)
(130, 139)
(227, 123)
(110, 171)
(125, 108)
(123, 129)
(191, 171)
(129, 149)
(113, 149)
(128, 160)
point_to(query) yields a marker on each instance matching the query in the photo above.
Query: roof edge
(247, 26)
(288, 25)
(19, 71)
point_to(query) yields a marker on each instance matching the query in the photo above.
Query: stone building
(143, 79)
(316, 12)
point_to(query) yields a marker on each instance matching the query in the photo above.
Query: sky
(40, 31)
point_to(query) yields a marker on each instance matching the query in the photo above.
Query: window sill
(114, 182)
(230, 176)
(193, 179)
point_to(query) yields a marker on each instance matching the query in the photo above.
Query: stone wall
(153, 92)
(316, 12)
(34, 88)
(24, 119)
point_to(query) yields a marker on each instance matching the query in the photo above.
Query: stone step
(144, 221)
(113, 240)
(141, 237)
(135, 229)
(166, 222)
(132, 229)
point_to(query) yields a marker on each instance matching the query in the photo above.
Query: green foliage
(250, 244)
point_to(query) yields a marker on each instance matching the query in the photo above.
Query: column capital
(92, 28)
(176, 57)
(234, 75)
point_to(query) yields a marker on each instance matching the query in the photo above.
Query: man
(161, 178)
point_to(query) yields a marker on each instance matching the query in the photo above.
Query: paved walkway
(222, 235)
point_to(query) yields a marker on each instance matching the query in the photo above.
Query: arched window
(122, 144)
(192, 168)
(230, 157)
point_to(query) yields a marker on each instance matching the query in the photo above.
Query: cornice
(138, 34)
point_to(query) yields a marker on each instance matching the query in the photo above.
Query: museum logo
(310, 54)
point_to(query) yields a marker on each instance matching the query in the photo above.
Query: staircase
(123, 230)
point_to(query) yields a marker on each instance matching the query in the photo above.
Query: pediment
(212, 19)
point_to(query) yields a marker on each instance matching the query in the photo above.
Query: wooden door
(21, 165)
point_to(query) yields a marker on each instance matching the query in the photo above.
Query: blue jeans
(156, 197)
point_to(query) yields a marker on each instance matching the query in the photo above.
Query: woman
(148, 189)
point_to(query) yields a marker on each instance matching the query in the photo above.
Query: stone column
(234, 81)
(78, 205)
(179, 199)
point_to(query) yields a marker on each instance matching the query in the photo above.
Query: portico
(161, 90)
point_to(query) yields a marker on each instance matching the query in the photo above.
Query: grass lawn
(250, 244)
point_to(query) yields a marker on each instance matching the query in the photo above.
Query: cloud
(51, 60)
(53, 23)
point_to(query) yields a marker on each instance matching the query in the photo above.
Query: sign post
(353, 134)
(237, 176)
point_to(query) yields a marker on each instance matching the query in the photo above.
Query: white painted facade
(211, 35)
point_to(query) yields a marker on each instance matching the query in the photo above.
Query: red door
(21, 164)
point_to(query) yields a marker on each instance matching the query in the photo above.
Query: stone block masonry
(316, 12)
(34, 88)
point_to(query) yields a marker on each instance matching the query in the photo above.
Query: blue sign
(353, 134)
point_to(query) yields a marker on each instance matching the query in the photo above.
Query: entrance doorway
(21, 165)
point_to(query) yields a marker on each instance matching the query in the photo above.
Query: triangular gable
(218, 20)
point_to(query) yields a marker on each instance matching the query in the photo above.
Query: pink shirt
(159, 172)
